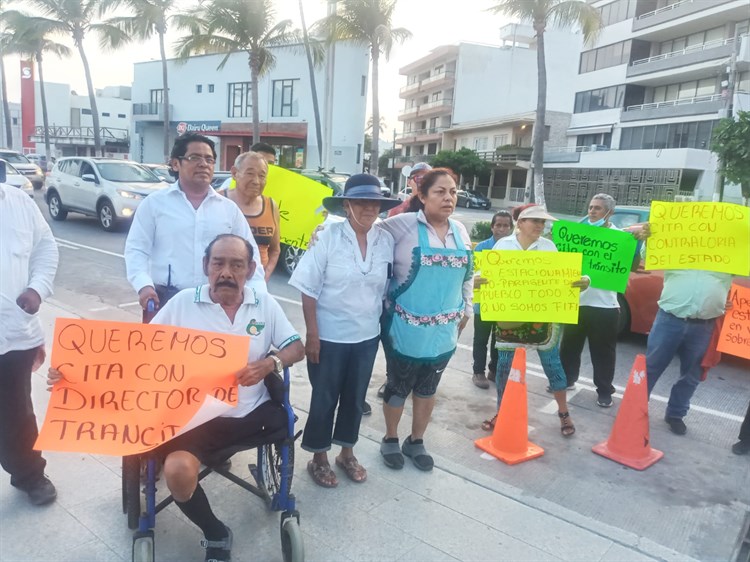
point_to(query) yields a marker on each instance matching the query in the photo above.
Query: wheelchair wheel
(292, 545)
(131, 489)
(269, 468)
(143, 547)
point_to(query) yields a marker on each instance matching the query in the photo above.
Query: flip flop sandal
(351, 467)
(391, 453)
(566, 428)
(489, 425)
(322, 474)
(418, 454)
(219, 551)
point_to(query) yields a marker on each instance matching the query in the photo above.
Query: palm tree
(541, 13)
(217, 26)
(76, 19)
(313, 88)
(30, 38)
(150, 17)
(368, 23)
(5, 42)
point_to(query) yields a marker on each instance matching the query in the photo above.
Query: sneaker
(417, 453)
(41, 491)
(381, 391)
(677, 426)
(366, 409)
(741, 448)
(604, 401)
(480, 381)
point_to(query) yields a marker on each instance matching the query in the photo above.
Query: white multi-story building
(218, 103)
(483, 97)
(648, 95)
(71, 126)
(15, 126)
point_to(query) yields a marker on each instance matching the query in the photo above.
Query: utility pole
(394, 177)
(732, 76)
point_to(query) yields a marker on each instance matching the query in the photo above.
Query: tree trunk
(254, 64)
(165, 85)
(311, 68)
(537, 156)
(98, 148)
(6, 105)
(43, 98)
(375, 53)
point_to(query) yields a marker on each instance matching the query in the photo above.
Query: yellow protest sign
(706, 236)
(477, 271)
(129, 387)
(300, 202)
(530, 286)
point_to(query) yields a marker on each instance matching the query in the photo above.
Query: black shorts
(405, 376)
(266, 424)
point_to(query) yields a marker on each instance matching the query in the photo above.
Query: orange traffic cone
(509, 441)
(629, 442)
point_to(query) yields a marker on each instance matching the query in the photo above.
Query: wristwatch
(278, 365)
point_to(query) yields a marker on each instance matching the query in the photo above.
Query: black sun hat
(360, 187)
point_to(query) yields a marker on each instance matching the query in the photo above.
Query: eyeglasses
(196, 158)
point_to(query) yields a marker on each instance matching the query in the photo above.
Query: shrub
(481, 231)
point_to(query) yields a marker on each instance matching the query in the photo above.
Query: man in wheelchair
(226, 305)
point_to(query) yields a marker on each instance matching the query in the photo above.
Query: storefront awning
(589, 130)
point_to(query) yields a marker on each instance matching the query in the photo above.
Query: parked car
(220, 178)
(110, 190)
(472, 199)
(404, 194)
(33, 172)
(17, 179)
(161, 171)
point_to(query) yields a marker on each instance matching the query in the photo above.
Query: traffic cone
(629, 442)
(509, 441)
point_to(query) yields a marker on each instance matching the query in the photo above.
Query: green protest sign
(607, 253)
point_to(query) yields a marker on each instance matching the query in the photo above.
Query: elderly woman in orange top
(250, 171)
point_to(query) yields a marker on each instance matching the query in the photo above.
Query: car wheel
(56, 210)
(623, 320)
(107, 216)
(291, 256)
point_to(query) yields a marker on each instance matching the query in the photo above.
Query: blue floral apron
(423, 314)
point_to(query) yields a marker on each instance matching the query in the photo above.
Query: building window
(499, 140)
(692, 40)
(210, 88)
(598, 139)
(685, 90)
(15, 120)
(617, 11)
(363, 85)
(85, 111)
(157, 96)
(105, 114)
(240, 103)
(695, 134)
(480, 143)
(596, 100)
(121, 116)
(285, 102)
(198, 88)
(604, 57)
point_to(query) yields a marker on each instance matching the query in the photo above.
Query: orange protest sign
(735, 333)
(128, 388)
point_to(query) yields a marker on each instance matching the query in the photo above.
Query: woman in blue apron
(429, 303)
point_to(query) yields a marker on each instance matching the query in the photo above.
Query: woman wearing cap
(343, 279)
(545, 338)
(415, 176)
(429, 302)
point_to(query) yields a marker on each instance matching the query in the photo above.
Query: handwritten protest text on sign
(707, 236)
(530, 286)
(607, 253)
(300, 202)
(128, 388)
(735, 333)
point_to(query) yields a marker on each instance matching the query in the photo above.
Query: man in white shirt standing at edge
(28, 262)
(164, 248)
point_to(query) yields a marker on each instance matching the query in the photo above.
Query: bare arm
(312, 340)
(274, 248)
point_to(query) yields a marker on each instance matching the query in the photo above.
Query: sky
(432, 23)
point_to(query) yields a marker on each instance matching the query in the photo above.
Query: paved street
(568, 505)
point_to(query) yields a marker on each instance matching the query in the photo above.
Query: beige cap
(536, 212)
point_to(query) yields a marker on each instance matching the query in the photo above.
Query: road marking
(127, 304)
(68, 246)
(98, 309)
(655, 397)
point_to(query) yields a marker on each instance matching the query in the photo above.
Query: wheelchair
(273, 480)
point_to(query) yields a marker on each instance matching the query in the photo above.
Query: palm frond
(577, 13)
(110, 36)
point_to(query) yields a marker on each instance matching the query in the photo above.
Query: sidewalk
(454, 513)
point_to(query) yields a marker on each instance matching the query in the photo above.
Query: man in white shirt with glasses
(164, 248)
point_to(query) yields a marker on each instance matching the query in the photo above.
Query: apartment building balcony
(712, 50)
(510, 155)
(674, 11)
(408, 90)
(436, 81)
(414, 158)
(407, 113)
(82, 136)
(433, 108)
(421, 135)
(149, 112)
(700, 105)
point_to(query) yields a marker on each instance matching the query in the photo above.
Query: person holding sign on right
(544, 337)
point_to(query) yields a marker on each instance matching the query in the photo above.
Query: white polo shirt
(259, 317)
(349, 289)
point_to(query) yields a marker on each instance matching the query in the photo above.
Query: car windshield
(11, 171)
(14, 158)
(125, 172)
(624, 220)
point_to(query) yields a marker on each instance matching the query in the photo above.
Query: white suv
(110, 190)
